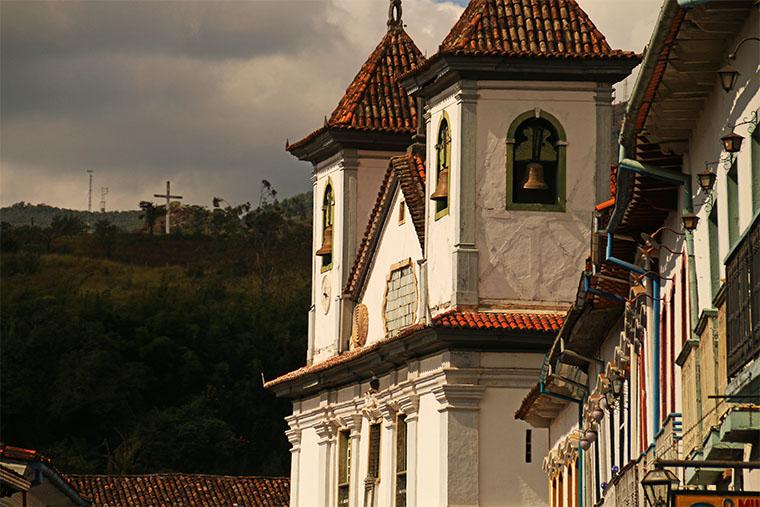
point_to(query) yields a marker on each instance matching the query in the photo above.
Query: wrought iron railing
(743, 300)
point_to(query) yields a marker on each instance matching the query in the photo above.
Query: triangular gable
(407, 172)
(529, 28)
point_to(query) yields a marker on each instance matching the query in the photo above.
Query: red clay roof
(408, 171)
(375, 101)
(528, 28)
(504, 320)
(515, 321)
(182, 490)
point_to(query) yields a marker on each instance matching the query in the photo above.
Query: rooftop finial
(394, 15)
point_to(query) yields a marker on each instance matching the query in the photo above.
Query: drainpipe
(692, 267)
(601, 293)
(542, 390)
(657, 365)
(634, 166)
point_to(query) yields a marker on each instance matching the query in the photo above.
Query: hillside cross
(168, 196)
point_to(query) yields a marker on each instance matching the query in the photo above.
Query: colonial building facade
(433, 309)
(656, 366)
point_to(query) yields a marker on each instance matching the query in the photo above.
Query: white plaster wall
(528, 255)
(429, 458)
(505, 478)
(325, 324)
(308, 481)
(398, 242)
(720, 109)
(564, 423)
(439, 233)
(372, 168)
(356, 178)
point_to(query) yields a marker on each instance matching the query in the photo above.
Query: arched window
(536, 146)
(443, 165)
(328, 214)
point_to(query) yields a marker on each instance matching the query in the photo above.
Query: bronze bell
(441, 187)
(326, 248)
(535, 179)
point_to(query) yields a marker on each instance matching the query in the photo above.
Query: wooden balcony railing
(743, 300)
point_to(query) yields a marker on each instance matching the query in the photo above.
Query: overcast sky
(200, 93)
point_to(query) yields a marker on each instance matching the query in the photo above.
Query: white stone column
(409, 406)
(326, 431)
(460, 425)
(353, 424)
(294, 436)
(465, 262)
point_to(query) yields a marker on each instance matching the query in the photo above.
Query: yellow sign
(716, 499)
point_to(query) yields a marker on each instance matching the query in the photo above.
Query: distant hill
(41, 215)
(129, 352)
(297, 207)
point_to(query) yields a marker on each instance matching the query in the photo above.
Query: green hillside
(132, 353)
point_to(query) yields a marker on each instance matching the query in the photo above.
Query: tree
(150, 213)
(105, 234)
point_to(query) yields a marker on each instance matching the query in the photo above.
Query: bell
(441, 187)
(326, 248)
(535, 179)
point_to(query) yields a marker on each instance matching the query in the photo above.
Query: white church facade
(453, 202)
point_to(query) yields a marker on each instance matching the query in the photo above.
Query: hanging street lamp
(690, 221)
(658, 484)
(732, 142)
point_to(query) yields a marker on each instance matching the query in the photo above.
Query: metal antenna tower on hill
(103, 194)
(89, 193)
(168, 196)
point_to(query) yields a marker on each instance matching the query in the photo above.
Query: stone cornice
(459, 397)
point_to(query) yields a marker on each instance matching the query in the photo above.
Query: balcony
(743, 300)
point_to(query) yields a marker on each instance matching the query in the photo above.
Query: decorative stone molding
(352, 422)
(294, 437)
(371, 407)
(326, 430)
(409, 405)
(459, 397)
(563, 454)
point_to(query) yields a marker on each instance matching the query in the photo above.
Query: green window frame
(344, 468)
(401, 452)
(712, 234)
(443, 163)
(754, 134)
(328, 215)
(732, 199)
(550, 154)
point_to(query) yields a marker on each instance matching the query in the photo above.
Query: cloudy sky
(200, 93)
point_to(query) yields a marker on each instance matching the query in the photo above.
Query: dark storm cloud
(202, 93)
(157, 90)
(204, 29)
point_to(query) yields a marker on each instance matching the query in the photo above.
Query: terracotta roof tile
(505, 320)
(408, 171)
(515, 321)
(182, 490)
(375, 101)
(528, 28)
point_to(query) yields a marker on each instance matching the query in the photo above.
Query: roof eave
(327, 141)
(396, 353)
(443, 69)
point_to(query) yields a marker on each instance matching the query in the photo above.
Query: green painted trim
(331, 216)
(754, 140)
(443, 211)
(559, 206)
